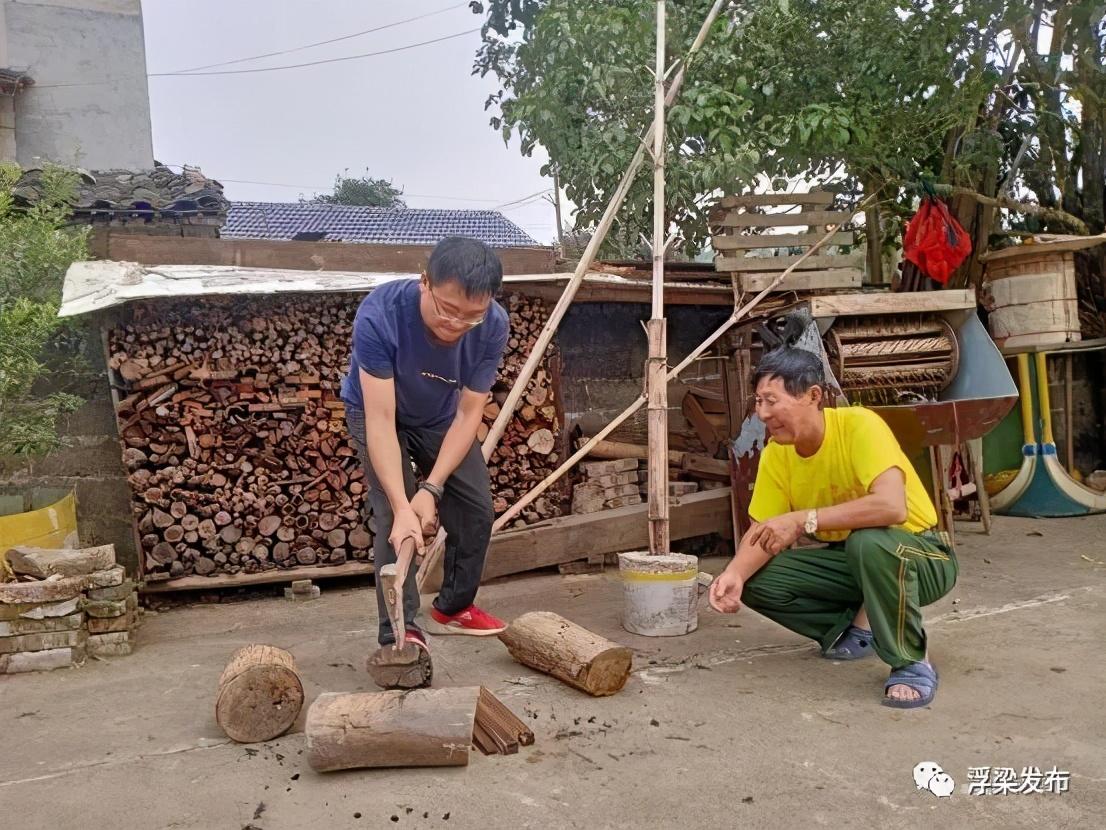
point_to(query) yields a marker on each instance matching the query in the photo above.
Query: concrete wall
(69, 47)
(603, 351)
(89, 463)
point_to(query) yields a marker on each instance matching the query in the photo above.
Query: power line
(531, 197)
(321, 42)
(311, 63)
(495, 202)
(109, 81)
(327, 187)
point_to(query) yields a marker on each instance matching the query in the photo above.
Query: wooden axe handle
(392, 578)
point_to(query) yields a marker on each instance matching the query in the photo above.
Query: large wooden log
(259, 695)
(423, 728)
(549, 643)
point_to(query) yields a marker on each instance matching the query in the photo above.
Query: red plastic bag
(935, 242)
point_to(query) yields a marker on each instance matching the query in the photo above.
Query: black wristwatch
(434, 490)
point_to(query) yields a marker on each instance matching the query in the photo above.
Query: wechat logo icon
(928, 775)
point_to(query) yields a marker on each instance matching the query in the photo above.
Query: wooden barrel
(1032, 299)
(260, 694)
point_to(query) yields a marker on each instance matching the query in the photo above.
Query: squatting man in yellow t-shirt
(839, 475)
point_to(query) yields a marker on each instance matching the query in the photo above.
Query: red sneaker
(472, 621)
(416, 637)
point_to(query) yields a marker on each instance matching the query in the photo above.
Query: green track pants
(890, 572)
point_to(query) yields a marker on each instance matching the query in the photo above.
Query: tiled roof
(350, 223)
(139, 194)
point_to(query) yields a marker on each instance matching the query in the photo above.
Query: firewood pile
(531, 447)
(234, 437)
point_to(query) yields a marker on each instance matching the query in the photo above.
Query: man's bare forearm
(872, 510)
(455, 446)
(749, 558)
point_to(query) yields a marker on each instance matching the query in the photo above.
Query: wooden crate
(1032, 299)
(748, 241)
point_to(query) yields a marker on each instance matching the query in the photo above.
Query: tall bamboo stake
(655, 365)
(597, 239)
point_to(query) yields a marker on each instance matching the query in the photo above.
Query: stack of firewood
(234, 434)
(531, 447)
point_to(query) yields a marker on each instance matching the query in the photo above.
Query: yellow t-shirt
(858, 447)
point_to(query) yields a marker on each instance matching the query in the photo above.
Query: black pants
(465, 512)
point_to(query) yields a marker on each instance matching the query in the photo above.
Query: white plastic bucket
(660, 593)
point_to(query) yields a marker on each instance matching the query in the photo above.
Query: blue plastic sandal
(921, 677)
(854, 644)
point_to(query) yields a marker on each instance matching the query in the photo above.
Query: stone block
(109, 645)
(105, 579)
(621, 490)
(41, 642)
(111, 625)
(39, 611)
(26, 661)
(624, 501)
(43, 591)
(587, 498)
(114, 592)
(12, 628)
(594, 469)
(314, 593)
(102, 608)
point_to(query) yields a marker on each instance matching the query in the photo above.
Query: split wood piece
(421, 728)
(549, 643)
(483, 741)
(497, 720)
(260, 694)
(42, 562)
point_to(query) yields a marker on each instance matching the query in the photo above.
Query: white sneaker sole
(434, 627)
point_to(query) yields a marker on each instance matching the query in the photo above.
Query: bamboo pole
(657, 362)
(738, 313)
(597, 239)
(437, 547)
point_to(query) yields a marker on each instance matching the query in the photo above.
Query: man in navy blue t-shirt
(425, 356)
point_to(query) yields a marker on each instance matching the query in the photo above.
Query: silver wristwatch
(810, 526)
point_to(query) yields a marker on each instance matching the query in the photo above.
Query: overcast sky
(415, 116)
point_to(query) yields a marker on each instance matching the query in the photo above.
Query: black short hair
(467, 261)
(797, 368)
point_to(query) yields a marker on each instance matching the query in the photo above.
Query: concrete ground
(738, 723)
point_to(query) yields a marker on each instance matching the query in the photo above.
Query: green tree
(873, 94)
(36, 248)
(361, 190)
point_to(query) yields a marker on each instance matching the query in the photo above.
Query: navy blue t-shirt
(390, 340)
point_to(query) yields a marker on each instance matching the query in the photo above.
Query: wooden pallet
(273, 577)
(746, 232)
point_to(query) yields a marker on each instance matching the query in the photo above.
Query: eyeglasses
(449, 319)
